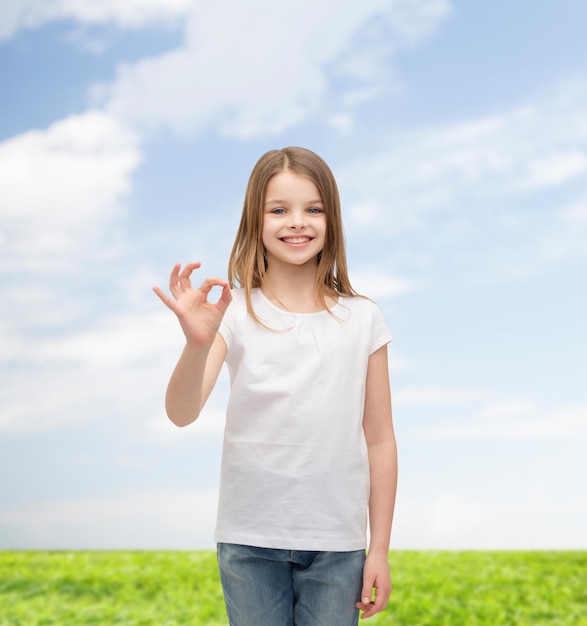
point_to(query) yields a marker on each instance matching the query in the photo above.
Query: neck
(292, 288)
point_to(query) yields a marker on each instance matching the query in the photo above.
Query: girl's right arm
(198, 367)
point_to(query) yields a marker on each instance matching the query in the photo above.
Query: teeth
(296, 239)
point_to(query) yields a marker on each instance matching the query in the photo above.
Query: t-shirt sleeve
(380, 334)
(228, 323)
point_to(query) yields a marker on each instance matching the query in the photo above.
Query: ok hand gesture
(199, 319)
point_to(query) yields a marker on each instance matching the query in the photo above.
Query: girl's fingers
(175, 272)
(225, 298)
(174, 280)
(186, 272)
(179, 282)
(180, 278)
(375, 606)
(210, 283)
(167, 301)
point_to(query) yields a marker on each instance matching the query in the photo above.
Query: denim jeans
(268, 587)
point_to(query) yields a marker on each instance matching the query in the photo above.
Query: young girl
(309, 456)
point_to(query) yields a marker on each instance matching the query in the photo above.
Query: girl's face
(294, 222)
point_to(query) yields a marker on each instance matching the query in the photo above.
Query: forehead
(288, 185)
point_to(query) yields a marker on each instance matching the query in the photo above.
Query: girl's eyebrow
(277, 201)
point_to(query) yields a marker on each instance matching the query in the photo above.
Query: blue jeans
(267, 587)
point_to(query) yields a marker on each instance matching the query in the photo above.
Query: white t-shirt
(295, 472)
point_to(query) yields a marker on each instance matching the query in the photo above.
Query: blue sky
(458, 134)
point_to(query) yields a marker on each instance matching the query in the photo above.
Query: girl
(309, 450)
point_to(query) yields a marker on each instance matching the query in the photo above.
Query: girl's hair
(248, 261)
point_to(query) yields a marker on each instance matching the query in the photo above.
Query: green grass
(183, 588)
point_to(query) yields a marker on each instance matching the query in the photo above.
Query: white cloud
(375, 284)
(414, 19)
(125, 340)
(258, 68)
(414, 396)
(116, 367)
(169, 520)
(454, 520)
(564, 240)
(507, 410)
(512, 421)
(554, 168)
(438, 169)
(574, 213)
(186, 519)
(60, 188)
(37, 399)
(437, 521)
(342, 122)
(535, 242)
(29, 14)
(496, 199)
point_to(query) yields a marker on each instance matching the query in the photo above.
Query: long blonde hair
(248, 262)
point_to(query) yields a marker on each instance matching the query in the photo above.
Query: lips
(296, 239)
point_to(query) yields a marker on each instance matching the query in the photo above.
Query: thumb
(366, 592)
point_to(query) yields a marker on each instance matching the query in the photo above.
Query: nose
(297, 219)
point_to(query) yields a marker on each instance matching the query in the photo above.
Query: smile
(296, 239)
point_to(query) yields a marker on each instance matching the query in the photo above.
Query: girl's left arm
(380, 437)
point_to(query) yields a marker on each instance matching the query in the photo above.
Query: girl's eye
(315, 210)
(278, 211)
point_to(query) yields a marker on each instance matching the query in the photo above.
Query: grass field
(182, 588)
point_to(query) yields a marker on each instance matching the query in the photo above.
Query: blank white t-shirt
(295, 472)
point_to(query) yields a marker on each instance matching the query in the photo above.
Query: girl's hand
(199, 319)
(375, 577)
